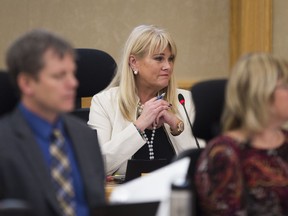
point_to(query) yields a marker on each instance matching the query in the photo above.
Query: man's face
(54, 90)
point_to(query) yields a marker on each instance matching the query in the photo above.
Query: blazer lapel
(82, 143)
(80, 150)
(30, 149)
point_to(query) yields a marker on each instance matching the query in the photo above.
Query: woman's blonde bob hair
(143, 40)
(250, 91)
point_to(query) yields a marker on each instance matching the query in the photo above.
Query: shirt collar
(40, 126)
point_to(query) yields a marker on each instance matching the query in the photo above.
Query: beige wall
(280, 28)
(200, 28)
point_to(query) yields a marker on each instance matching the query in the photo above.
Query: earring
(135, 72)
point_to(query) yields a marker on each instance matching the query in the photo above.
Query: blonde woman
(244, 171)
(138, 115)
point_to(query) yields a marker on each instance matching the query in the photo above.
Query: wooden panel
(186, 84)
(251, 27)
(235, 24)
(86, 102)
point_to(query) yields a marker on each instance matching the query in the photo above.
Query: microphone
(182, 102)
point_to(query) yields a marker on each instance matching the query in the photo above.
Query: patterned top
(234, 178)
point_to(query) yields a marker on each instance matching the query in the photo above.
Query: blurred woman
(244, 171)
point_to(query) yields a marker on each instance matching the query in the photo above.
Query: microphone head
(181, 99)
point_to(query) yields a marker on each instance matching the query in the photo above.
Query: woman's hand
(166, 116)
(151, 111)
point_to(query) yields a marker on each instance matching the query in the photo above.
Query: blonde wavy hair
(144, 40)
(250, 91)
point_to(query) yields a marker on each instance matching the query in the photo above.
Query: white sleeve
(119, 139)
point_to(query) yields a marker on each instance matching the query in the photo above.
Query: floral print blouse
(234, 178)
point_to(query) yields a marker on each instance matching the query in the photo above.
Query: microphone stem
(191, 127)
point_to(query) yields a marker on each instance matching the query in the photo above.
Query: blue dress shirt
(42, 131)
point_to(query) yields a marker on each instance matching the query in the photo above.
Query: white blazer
(120, 140)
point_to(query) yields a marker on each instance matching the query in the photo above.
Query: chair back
(8, 96)
(208, 97)
(95, 70)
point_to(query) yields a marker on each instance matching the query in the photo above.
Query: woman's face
(280, 102)
(154, 71)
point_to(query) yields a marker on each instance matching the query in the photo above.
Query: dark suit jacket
(24, 174)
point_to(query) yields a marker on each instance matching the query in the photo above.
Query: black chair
(95, 70)
(8, 95)
(208, 97)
